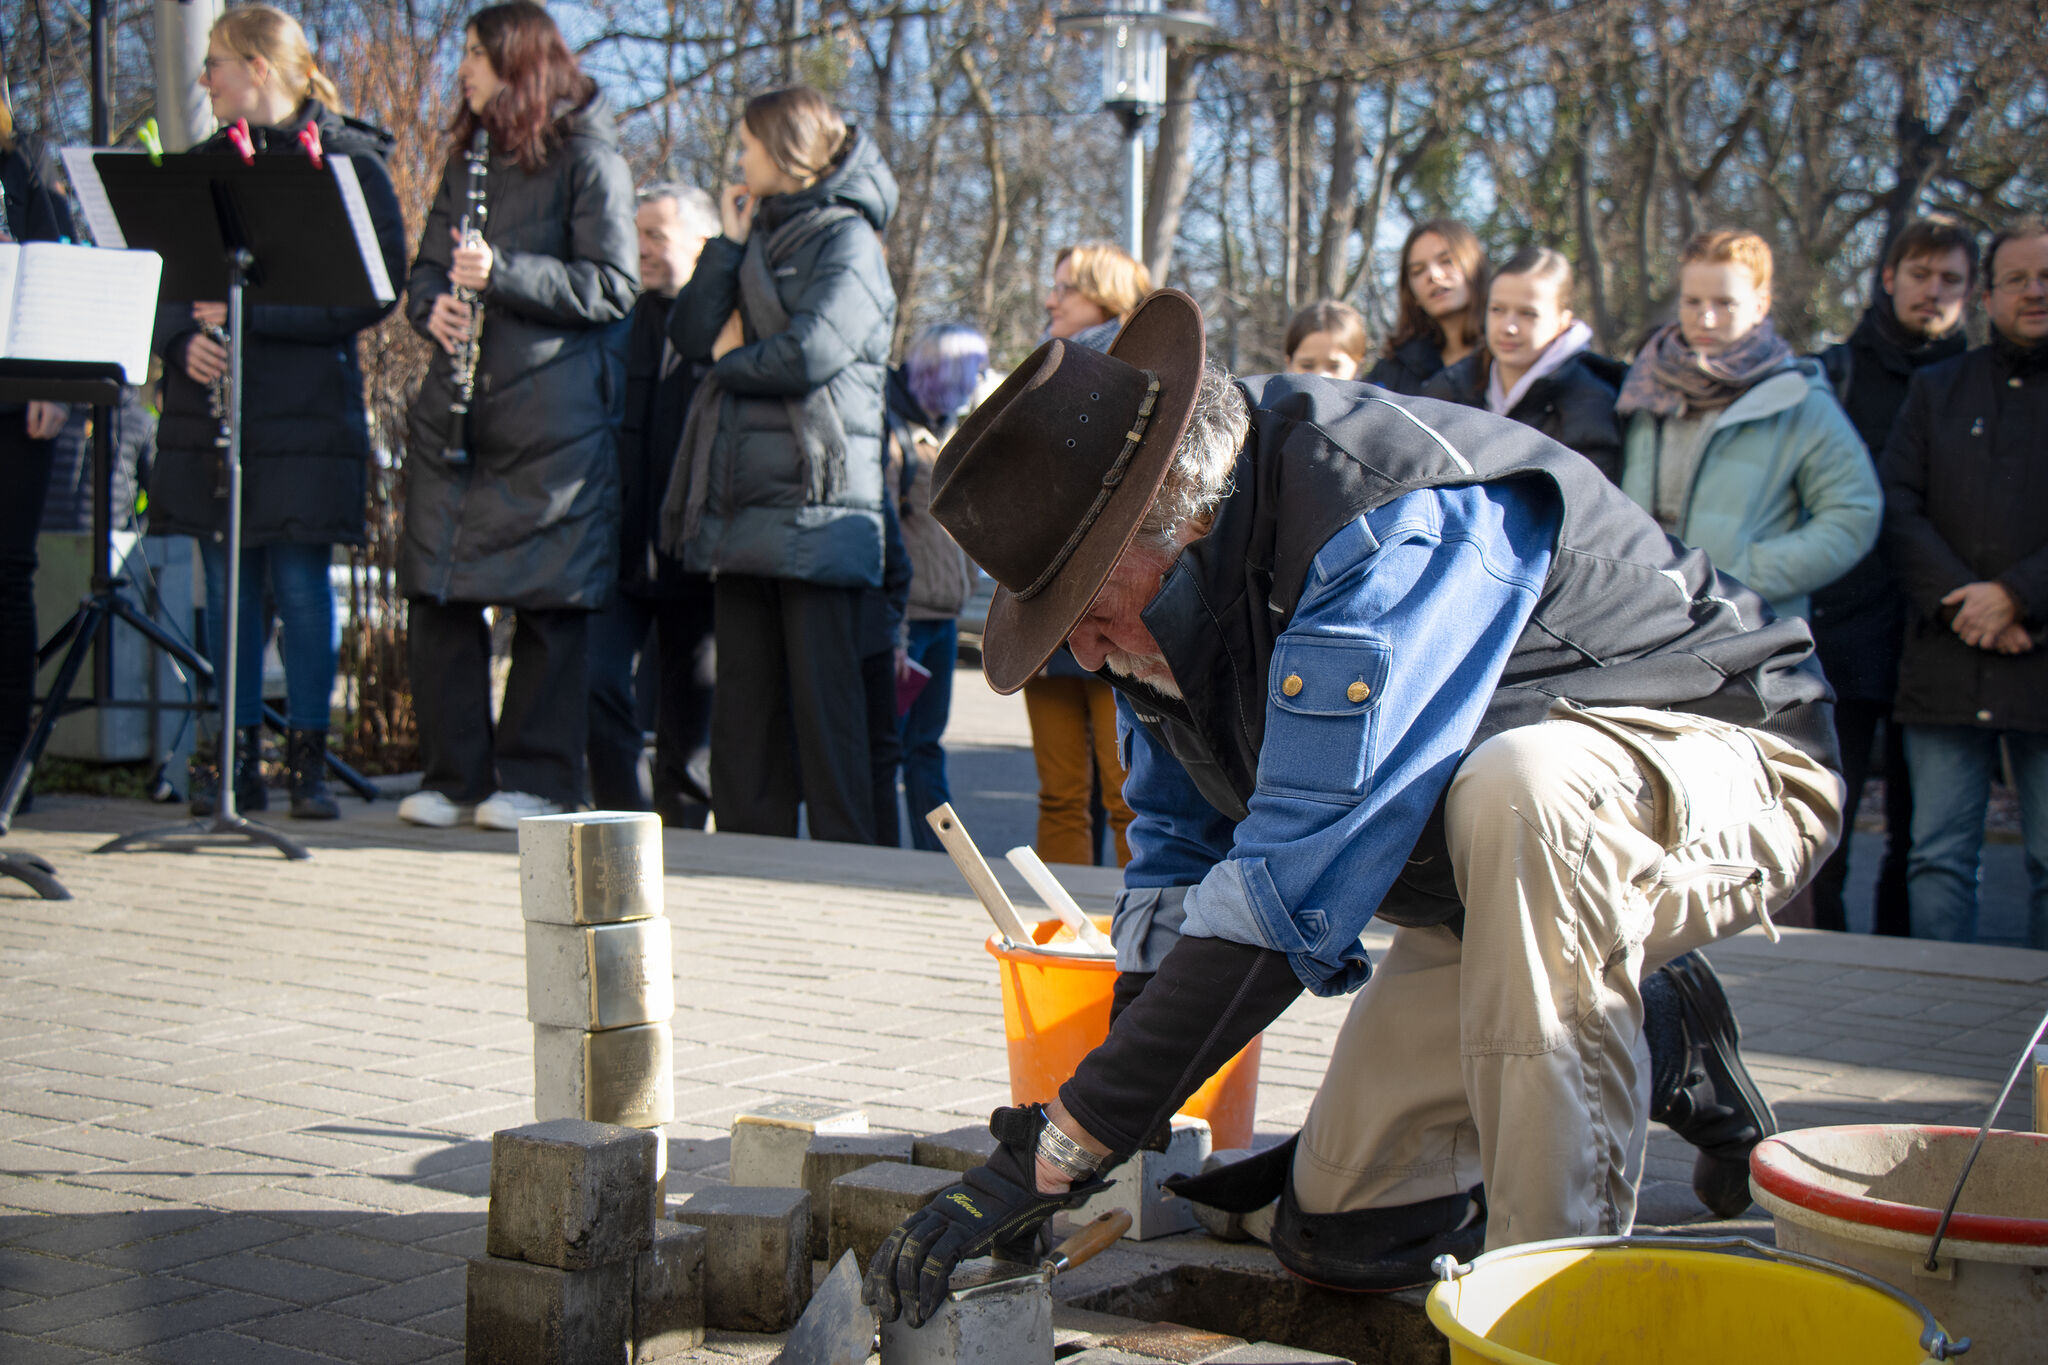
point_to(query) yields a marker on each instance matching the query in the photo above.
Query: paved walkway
(245, 1103)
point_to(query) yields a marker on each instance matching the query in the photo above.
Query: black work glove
(995, 1209)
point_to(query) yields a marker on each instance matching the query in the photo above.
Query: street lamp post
(1133, 53)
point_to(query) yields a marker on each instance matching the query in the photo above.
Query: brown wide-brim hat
(1045, 483)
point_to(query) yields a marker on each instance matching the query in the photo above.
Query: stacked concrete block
(600, 981)
(1006, 1327)
(757, 1264)
(769, 1142)
(576, 1270)
(867, 1204)
(828, 1157)
(957, 1149)
(1154, 1212)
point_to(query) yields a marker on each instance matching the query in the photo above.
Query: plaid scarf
(1671, 379)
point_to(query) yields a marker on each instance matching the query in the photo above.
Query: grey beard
(1149, 669)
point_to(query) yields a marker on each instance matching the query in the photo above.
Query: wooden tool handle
(1098, 1236)
(953, 835)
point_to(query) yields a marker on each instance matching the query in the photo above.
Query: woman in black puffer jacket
(777, 489)
(531, 520)
(305, 438)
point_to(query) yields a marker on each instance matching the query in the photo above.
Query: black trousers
(24, 483)
(536, 746)
(672, 639)
(1856, 727)
(885, 744)
(789, 715)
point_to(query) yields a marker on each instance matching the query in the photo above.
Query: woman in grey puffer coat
(530, 520)
(777, 491)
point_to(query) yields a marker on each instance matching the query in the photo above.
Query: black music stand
(272, 229)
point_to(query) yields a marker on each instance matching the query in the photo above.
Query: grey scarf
(814, 421)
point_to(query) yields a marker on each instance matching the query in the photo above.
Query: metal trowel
(837, 1328)
(1099, 1235)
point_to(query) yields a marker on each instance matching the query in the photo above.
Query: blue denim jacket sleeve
(1376, 686)
(1175, 836)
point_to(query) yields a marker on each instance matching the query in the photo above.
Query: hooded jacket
(1966, 494)
(1572, 405)
(1783, 497)
(305, 434)
(533, 520)
(758, 518)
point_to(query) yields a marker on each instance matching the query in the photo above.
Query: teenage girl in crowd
(1327, 338)
(1538, 365)
(531, 519)
(305, 439)
(1442, 295)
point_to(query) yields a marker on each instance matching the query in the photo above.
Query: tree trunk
(997, 231)
(1592, 261)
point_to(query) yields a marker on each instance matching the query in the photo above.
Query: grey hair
(1200, 477)
(693, 206)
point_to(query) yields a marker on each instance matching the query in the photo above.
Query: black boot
(1699, 1086)
(202, 776)
(306, 754)
(250, 793)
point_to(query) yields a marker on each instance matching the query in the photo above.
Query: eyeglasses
(1060, 291)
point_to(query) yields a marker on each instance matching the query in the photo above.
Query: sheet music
(83, 303)
(366, 231)
(92, 195)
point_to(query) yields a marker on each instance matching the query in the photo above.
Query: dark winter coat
(305, 435)
(656, 405)
(1859, 620)
(36, 212)
(1573, 405)
(1966, 501)
(758, 517)
(1411, 366)
(533, 521)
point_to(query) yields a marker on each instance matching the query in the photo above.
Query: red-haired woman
(530, 520)
(1442, 317)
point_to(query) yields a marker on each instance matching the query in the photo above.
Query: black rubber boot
(306, 755)
(250, 792)
(1702, 1091)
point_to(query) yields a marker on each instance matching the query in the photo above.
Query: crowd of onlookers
(701, 488)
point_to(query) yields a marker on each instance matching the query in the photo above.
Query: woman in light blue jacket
(1734, 446)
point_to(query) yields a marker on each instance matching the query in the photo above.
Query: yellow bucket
(1675, 1301)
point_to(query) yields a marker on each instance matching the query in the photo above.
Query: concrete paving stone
(302, 1145)
(64, 1197)
(384, 1194)
(405, 1300)
(133, 1294)
(30, 1160)
(447, 1324)
(292, 1281)
(46, 1275)
(427, 1231)
(61, 1108)
(161, 1322)
(354, 1254)
(113, 1145)
(331, 1332)
(224, 1348)
(287, 1202)
(19, 1350)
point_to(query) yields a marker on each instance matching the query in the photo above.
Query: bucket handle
(1933, 1340)
(1976, 1148)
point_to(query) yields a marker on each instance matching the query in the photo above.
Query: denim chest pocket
(1323, 692)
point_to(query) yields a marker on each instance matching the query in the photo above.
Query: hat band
(1110, 479)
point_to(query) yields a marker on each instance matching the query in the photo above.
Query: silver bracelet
(1065, 1155)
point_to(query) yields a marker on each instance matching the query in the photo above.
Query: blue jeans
(293, 578)
(1952, 768)
(936, 645)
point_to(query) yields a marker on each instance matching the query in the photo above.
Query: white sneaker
(431, 809)
(504, 810)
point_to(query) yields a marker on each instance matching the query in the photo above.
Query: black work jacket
(1966, 501)
(1627, 617)
(1573, 405)
(1411, 366)
(659, 385)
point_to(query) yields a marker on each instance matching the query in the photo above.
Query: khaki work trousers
(1589, 849)
(1073, 738)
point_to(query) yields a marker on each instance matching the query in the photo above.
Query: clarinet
(217, 404)
(463, 363)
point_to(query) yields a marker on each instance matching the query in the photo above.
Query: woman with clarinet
(511, 477)
(305, 439)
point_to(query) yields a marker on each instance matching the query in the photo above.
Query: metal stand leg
(227, 824)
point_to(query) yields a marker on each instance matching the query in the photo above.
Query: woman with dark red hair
(529, 519)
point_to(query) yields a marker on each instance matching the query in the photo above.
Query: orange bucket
(1056, 1011)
